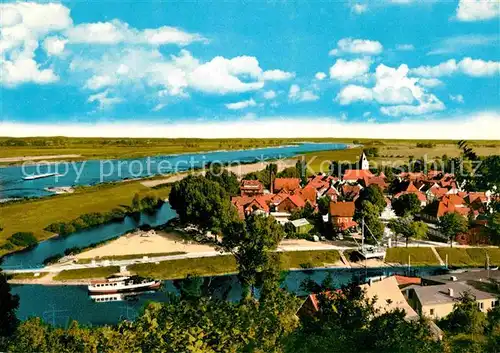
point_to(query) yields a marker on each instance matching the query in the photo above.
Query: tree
(324, 205)
(408, 228)
(250, 243)
(465, 317)
(371, 216)
(203, 202)
(136, 203)
(494, 227)
(406, 204)
(452, 224)
(8, 306)
(301, 168)
(228, 180)
(374, 195)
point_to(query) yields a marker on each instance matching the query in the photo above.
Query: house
(376, 180)
(251, 187)
(351, 192)
(308, 193)
(437, 209)
(437, 301)
(353, 175)
(302, 225)
(247, 205)
(290, 203)
(388, 296)
(341, 215)
(286, 184)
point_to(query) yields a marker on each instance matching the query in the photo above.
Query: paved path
(441, 262)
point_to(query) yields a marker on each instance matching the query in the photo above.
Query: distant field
(418, 256)
(93, 148)
(398, 152)
(35, 215)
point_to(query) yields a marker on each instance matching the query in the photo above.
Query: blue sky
(212, 68)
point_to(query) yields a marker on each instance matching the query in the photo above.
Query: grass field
(465, 257)
(418, 256)
(35, 215)
(206, 266)
(100, 272)
(29, 275)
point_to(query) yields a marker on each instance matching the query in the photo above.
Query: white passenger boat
(123, 284)
(40, 176)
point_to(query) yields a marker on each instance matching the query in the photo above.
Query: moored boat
(40, 176)
(123, 284)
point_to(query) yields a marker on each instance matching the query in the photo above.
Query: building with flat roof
(437, 301)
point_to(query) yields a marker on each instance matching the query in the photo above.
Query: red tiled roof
(342, 209)
(308, 193)
(297, 200)
(355, 174)
(346, 225)
(404, 280)
(286, 184)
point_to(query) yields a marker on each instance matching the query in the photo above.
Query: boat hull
(125, 289)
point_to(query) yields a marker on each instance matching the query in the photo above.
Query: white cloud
(345, 70)
(430, 82)
(458, 98)
(458, 44)
(97, 82)
(320, 76)
(116, 31)
(296, 94)
(221, 75)
(405, 47)
(477, 10)
(104, 99)
(23, 24)
(277, 75)
(393, 87)
(241, 105)
(270, 94)
(54, 45)
(354, 93)
(357, 46)
(467, 66)
(359, 8)
(427, 105)
(475, 126)
(479, 68)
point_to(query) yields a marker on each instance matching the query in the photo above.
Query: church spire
(363, 162)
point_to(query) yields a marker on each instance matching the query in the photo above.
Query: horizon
(254, 70)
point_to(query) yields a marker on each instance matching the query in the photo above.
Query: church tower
(363, 162)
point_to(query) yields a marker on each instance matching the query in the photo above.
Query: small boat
(123, 284)
(495, 268)
(40, 176)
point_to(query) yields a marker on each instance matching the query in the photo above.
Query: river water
(97, 171)
(59, 304)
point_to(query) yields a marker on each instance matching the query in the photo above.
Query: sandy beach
(139, 243)
(239, 170)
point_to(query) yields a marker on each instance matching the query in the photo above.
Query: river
(59, 304)
(97, 171)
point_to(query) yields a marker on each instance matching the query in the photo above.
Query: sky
(385, 68)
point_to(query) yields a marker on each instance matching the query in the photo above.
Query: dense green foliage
(452, 224)
(202, 202)
(406, 204)
(370, 214)
(374, 195)
(24, 239)
(224, 178)
(408, 228)
(8, 306)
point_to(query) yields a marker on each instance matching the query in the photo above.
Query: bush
(23, 239)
